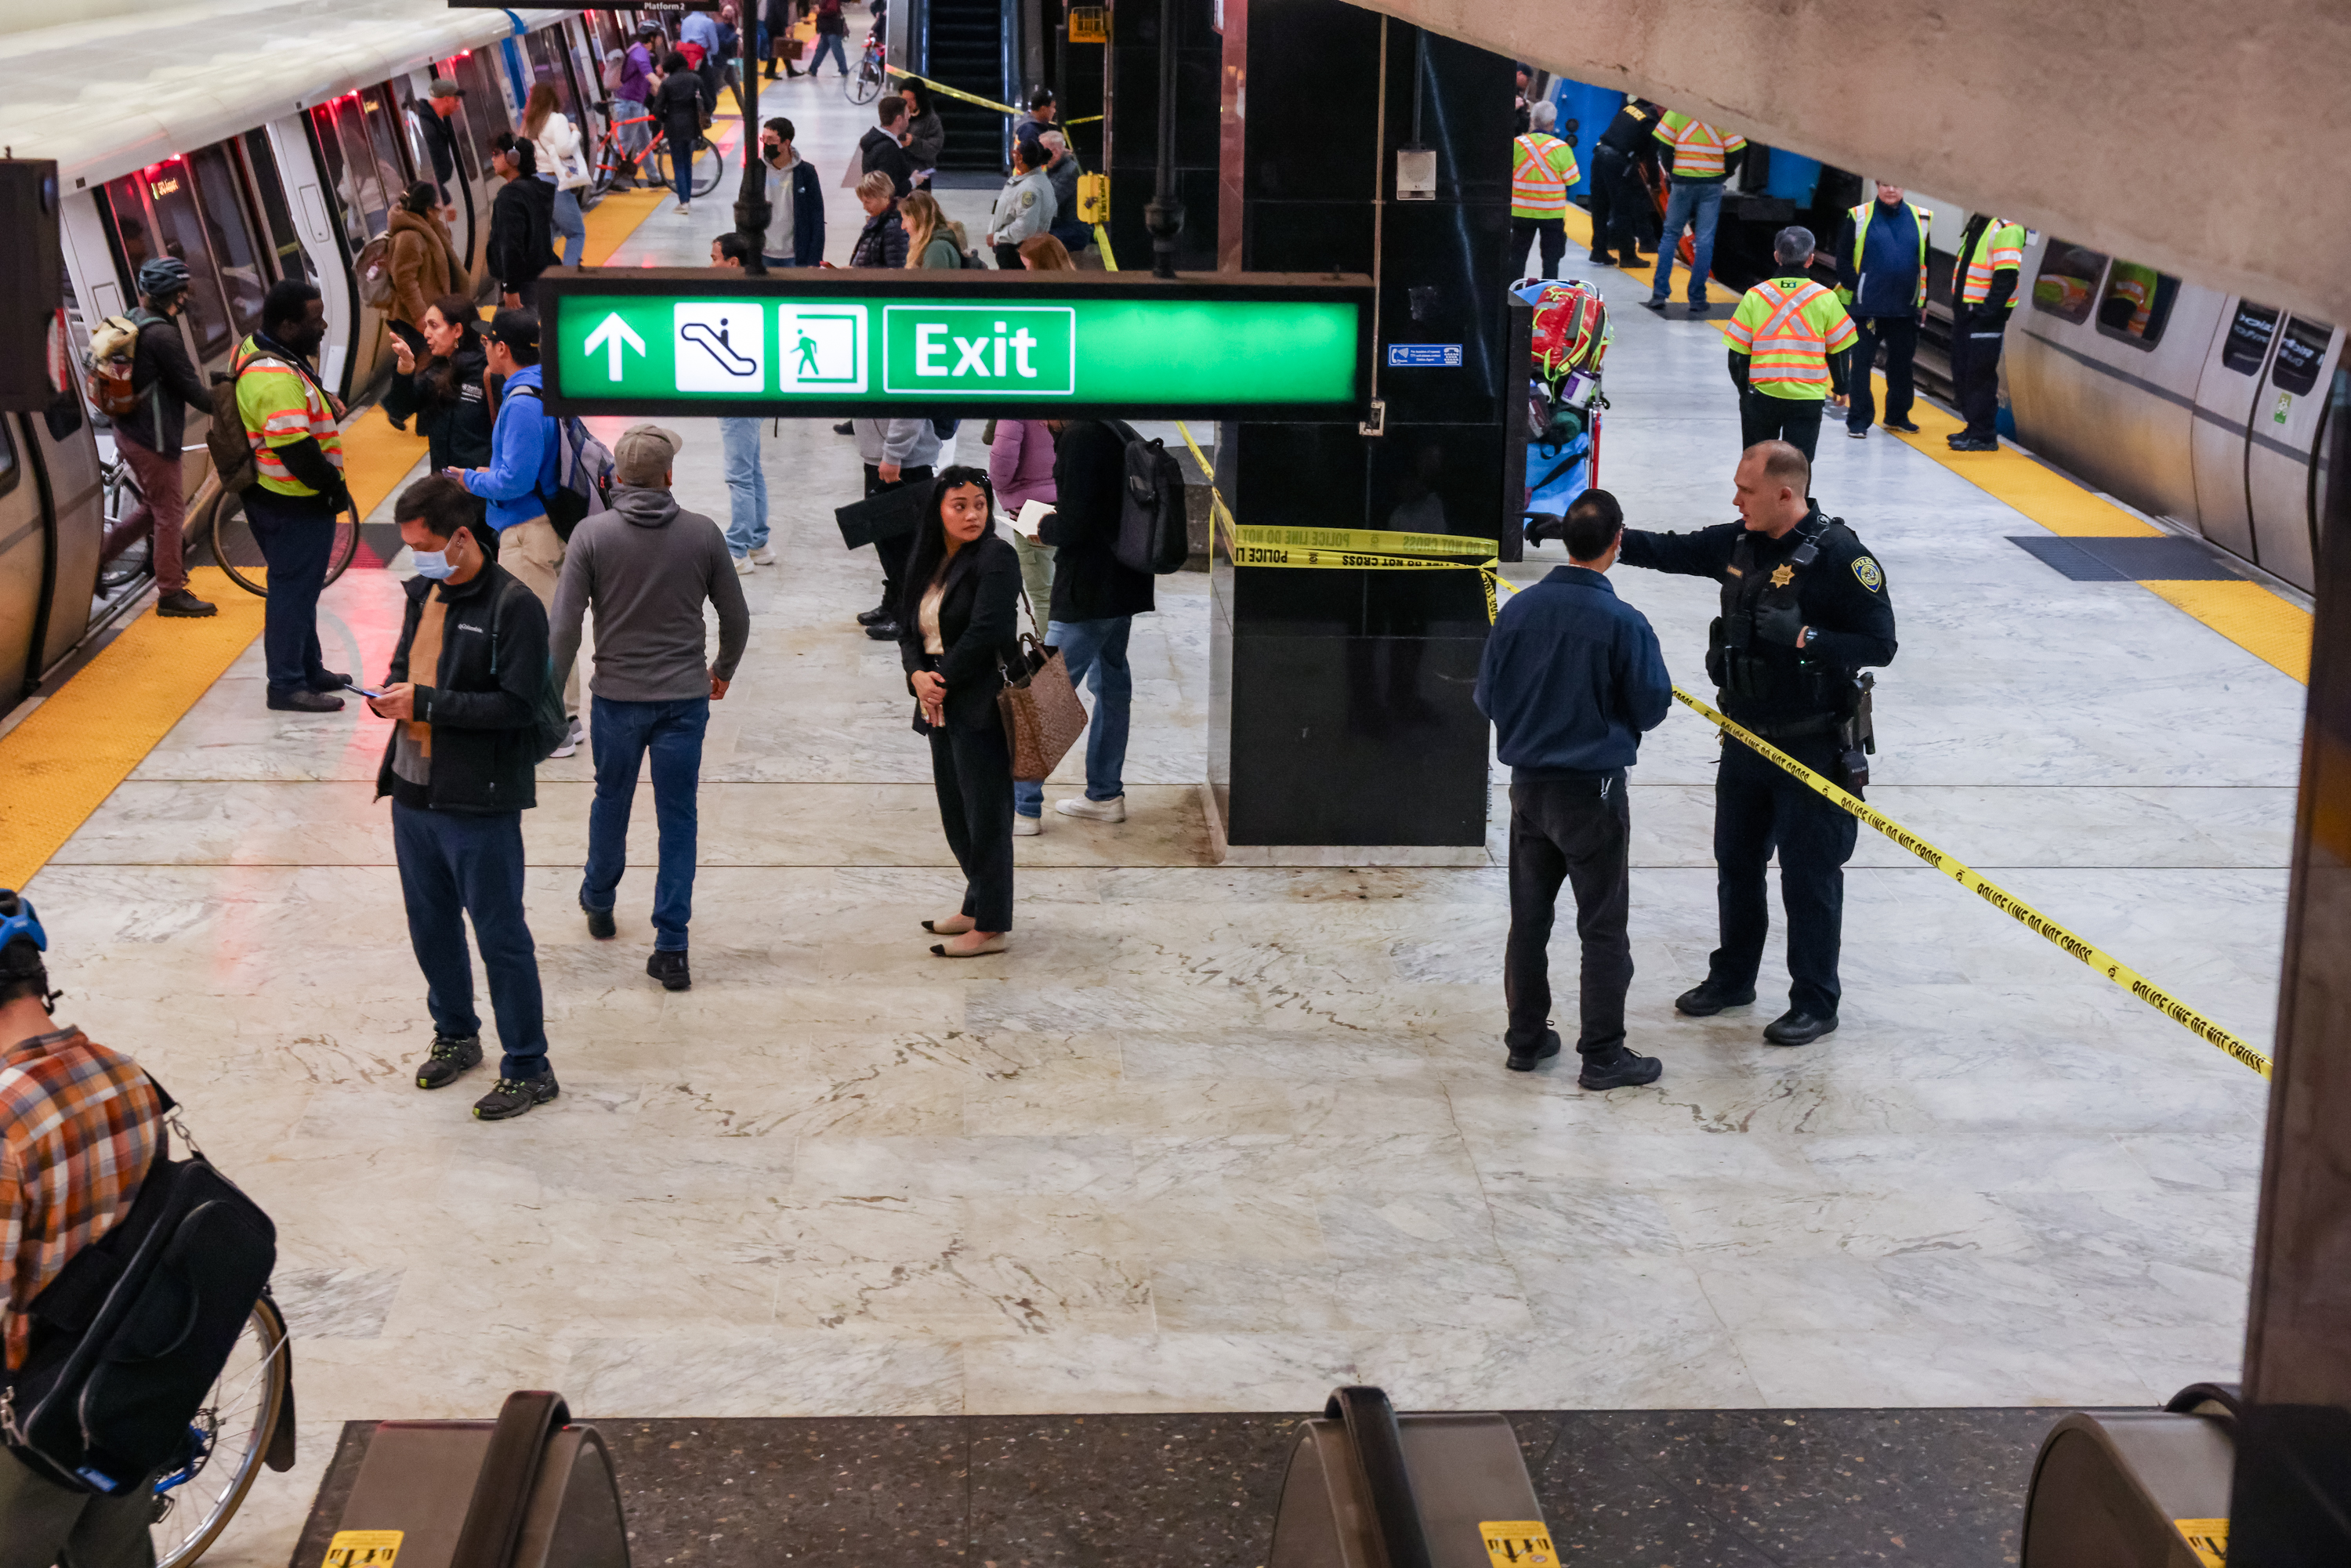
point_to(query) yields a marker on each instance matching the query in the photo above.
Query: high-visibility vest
(1698, 148)
(278, 402)
(2000, 245)
(1861, 216)
(1545, 167)
(1789, 327)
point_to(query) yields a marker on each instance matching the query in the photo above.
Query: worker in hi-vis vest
(1781, 337)
(1702, 160)
(1983, 291)
(1882, 281)
(1541, 169)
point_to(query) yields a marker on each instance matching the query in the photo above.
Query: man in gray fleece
(647, 567)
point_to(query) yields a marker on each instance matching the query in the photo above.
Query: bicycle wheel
(238, 553)
(227, 1441)
(709, 165)
(122, 494)
(864, 84)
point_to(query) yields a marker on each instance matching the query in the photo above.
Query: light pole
(751, 209)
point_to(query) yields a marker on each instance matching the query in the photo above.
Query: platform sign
(803, 342)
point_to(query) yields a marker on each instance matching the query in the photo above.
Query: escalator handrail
(1378, 1448)
(502, 1491)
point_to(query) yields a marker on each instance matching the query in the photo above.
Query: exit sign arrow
(614, 336)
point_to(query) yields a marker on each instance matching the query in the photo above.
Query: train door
(2282, 449)
(471, 231)
(484, 113)
(309, 186)
(362, 181)
(24, 563)
(2225, 396)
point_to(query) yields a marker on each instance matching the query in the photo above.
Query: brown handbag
(1043, 714)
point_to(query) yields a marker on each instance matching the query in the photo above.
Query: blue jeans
(746, 486)
(1099, 648)
(619, 734)
(451, 864)
(829, 44)
(573, 225)
(296, 535)
(1697, 205)
(681, 164)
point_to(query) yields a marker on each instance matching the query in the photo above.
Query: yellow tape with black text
(1999, 898)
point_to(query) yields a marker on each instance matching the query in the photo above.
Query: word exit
(1016, 351)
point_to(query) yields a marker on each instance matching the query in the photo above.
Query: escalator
(970, 45)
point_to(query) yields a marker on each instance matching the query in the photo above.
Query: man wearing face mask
(461, 769)
(795, 200)
(297, 490)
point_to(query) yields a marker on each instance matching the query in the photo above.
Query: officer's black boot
(1798, 1028)
(1710, 997)
(1524, 1059)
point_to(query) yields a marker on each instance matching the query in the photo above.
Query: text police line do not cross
(812, 343)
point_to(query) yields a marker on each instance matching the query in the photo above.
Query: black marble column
(1131, 139)
(1341, 710)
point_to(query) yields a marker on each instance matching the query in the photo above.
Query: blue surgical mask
(432, 563)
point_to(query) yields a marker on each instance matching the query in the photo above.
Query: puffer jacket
(425, 264)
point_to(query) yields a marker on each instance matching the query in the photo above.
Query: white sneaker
(570, 741)
(764, 555)
(685, 206)
(1111, 811)
(1025, 827)
(743, 566)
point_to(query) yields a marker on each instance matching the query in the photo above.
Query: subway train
(253, 143)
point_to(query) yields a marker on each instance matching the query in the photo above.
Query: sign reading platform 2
(806, 343)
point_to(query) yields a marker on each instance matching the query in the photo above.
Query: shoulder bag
(1042, 716)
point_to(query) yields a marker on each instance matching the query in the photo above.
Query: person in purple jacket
(1020, 466)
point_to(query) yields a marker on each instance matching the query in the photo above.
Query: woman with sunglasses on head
(961, 621)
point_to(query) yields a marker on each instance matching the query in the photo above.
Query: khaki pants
(532, 552)
(43, 1523)
(1036, 576)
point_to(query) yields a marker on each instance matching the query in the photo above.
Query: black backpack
(131, 1334)
(1154, 534)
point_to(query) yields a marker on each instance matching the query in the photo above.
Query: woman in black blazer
(961, 625)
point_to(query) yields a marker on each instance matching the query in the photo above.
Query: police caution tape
(974, 97)
(1999, 897)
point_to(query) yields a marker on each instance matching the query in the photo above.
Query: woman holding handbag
(962, 619)
(561, 164)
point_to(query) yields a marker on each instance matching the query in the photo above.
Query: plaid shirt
(80, 1125)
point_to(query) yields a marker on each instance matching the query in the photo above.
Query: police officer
(1620, 197)
(1804, 608)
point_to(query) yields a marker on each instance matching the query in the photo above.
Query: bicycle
(864, 84)
(615, 161)
(238, 553)
(232, 1437)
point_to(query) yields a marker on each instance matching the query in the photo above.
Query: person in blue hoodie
(524, 447)
(1572, 679)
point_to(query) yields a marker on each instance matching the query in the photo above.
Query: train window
(242, 278)
(485, 106)
(351, 170)
(2300, 351)
(155, 216)
(545, 50)
(384, 136)
(2248, 343)
(2137, 304)
(276, 217)
(2068, 281)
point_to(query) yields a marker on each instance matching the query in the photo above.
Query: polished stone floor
(1215, 1139)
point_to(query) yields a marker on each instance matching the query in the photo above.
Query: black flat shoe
(1620, 1069)
(1526, 1061)
(879, 612)
(670, 969)
(883, 631)
(1707, 998)
(1793, 1028)
(844, 428)
(600, 924)
(1904, 425)
(306, 702)
(330, 682)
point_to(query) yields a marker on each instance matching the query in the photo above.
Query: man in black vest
(1804, 608)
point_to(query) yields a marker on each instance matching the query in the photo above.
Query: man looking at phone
(461, 769)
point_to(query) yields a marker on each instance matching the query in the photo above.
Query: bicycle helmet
(648, 30)
(22, 940)
(162, 277)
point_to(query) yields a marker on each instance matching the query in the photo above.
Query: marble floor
(1212, 1138)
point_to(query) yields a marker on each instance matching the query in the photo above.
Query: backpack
(113, 349)
(615, 65)
(693, 53)
(376, 289)
(1154, 535)
(583, 472)
(1570, 328)
(129, 1337)
(550, 726)
(231, 447)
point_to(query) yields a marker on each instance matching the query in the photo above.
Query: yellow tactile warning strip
(376, 458)
(612, 221)
(72, 750)
(2271, 629)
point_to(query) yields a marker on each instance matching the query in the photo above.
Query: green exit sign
(810, 342)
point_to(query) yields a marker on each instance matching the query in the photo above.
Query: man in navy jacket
(1571, 678)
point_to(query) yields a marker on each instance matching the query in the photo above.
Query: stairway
(970, 48)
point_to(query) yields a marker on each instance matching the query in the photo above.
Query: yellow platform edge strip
(1992, 892)
(66, 758)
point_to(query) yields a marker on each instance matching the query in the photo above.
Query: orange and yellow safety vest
(280, 406)
(2000, 245)
(1789, 327)
(1543, 167)
(1698, 148)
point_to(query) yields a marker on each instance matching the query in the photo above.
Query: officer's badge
(1783, 575)
(1866, 570)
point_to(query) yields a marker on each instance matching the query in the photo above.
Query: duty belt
(1794, 728)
